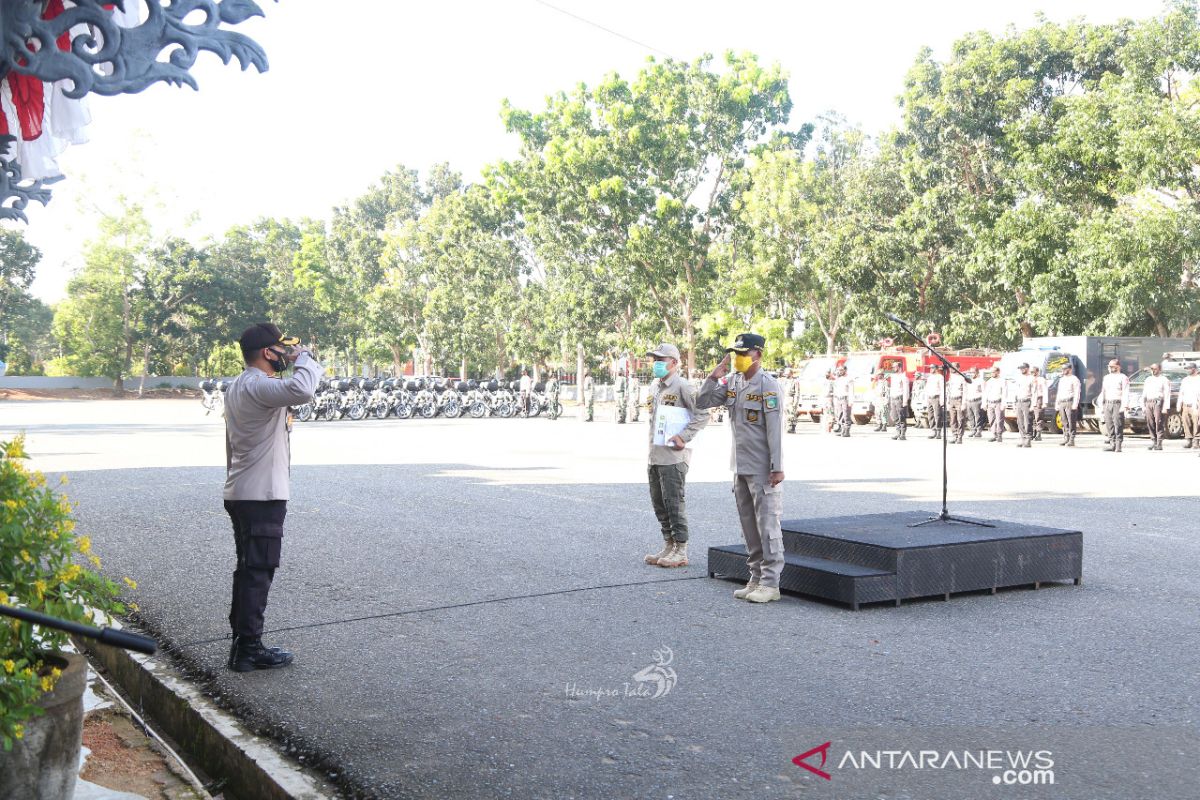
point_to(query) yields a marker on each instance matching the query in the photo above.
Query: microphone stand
(945, 516)
(109, 636)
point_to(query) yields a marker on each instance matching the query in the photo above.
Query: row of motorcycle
(407, 397)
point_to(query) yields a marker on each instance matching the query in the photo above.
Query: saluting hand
(721, 369)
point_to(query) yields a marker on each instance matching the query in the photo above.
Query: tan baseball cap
(665, 350)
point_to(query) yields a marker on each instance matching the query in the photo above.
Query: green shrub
(40, 570)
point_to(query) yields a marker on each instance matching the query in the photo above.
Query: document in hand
(669, 421)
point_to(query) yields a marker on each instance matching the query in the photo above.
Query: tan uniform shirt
(898, 386)
(1156, 387)
(674, 391)
(258, 453)
(1189, 392)
(1114, 388)
(754, 407)
(1069, 388)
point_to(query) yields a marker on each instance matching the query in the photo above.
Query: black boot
(247, 655)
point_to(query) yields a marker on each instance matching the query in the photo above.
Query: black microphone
(896, 320)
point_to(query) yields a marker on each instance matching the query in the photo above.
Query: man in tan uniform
(669, 462)
(755, 401)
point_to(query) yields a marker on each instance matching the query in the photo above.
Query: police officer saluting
(754, 399)
(257, 483)
(669, 462)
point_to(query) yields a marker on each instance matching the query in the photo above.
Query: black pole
(109, 636)
(945, 515)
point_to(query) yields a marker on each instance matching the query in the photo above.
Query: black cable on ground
(411, 611)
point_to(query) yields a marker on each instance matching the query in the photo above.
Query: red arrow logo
(823, 750)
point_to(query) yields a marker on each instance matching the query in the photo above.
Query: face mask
(277, 365)
(742, 363)
(660, 370)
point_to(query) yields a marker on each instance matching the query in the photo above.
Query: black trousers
(258, 537)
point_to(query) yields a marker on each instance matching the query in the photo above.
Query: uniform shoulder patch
(772, 402)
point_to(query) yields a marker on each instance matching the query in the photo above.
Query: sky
(418, 83)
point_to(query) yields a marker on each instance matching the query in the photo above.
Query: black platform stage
(876, 558)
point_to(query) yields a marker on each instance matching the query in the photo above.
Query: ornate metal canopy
(89, 49)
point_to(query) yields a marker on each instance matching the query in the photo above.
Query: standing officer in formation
(973, 392)
(258, 457)
(669, 463)
(898, 394)
(1022, 397)
(934, 391)
(1114, 398)
(828, 404)
(1187, 403)
(754, 398)
(791, 399)
(843, 395)
(954, 405)
(552, 395)
(1156, 392)
(1040, 396)
(635, 396)
(1066, 403)
(620, 387)
(879, 400)
(994, 395)
(589, 395)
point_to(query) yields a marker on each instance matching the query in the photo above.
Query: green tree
(624, 188)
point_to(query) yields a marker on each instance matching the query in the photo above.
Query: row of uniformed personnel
(966, 403)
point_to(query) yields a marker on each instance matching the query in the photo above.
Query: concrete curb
(251, 767)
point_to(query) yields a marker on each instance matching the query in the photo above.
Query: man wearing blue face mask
(669, 461)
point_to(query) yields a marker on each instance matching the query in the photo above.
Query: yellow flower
(39, 586)
(27, 672)
(95, 561)
(10, 666)
(56, 673)
(69, 573)
(18, 731)
(84, 543)
(47, 683)
(11, 504)
(63, 480)
(130, 582)
(68, 525)
(25, 556)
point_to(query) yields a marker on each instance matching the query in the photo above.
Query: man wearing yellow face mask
(753, 398)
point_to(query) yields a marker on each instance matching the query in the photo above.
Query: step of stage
(881, 557)
(820, 577)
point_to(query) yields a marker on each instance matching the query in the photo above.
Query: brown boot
(676, 558)
(654, 558)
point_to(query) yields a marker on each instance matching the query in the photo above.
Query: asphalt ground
(468, 605)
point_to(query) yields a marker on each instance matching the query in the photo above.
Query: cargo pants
(760, 508)
(668, 484)
(258, 539)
